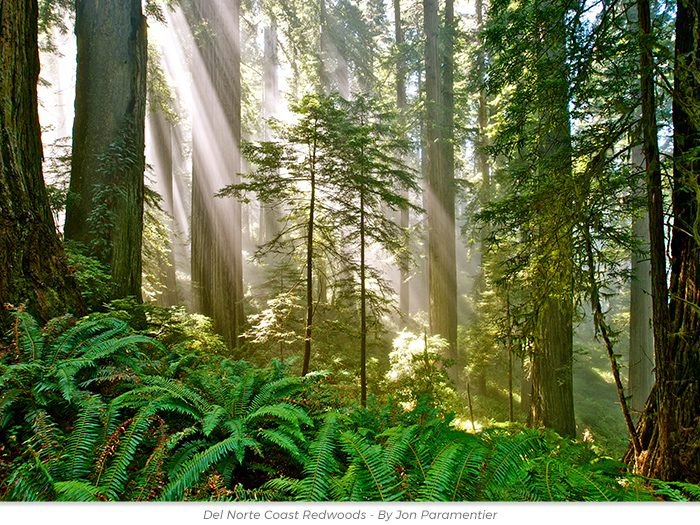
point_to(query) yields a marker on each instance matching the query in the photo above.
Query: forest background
(349, 250)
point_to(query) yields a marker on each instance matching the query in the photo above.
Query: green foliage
(419, 370)
(100, 413)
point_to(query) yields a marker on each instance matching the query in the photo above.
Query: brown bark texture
(442, 269)
(33, 267)
(104, 210)
(670, 425)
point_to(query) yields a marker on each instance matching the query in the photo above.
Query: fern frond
(30, 481)
(507, 460)
(279, 388)
(379, 481)
(190, 472)
(321, 464)
(27, 337)
(282, 440)
(74, 340)
(180, 391)
(457, 461)
(81, 445)
(290, 413)
(116, 475)
(46, 440)
(77, 491)
(212, 418)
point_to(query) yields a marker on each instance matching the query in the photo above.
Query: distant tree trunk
(105, 210)
(33, 265)
(161, 136)
(404, 291)
(641, 349)
(363, 305)
(670, 425)
(268, 216)
(217, 265)
(440, 164)
(641, 341)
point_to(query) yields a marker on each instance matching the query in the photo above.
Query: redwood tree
(32, 262)
(670, 426)
(104, 210)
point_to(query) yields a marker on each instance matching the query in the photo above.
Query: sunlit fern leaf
(245, 391)
(27, 337)
(217, 391)
(189, 473)
(182, 454)
(212, 418)
(238, 431)
(376, 478)
(81, 445)
(116, 475)
(348, 487)
(65, 378)
(81, 336)
(127, 343)
(321, 463)
(77, 491)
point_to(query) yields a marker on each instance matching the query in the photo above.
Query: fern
(321, 464)
(77, 491)
(27, 337)
(189, 473)
(81, 445)
(373, 474)
(116, 475)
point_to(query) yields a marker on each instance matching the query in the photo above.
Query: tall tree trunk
(217, 266)
(670, 425)
(33, 266)
(161, 139)
(268, 216)
(641, 341)
(552, 400)
(106, 210)
(440, 164)
(401, 105)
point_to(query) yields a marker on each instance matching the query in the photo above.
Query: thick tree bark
(552, 400)
(670, 425)
(671, 421)
(33, 266)
(105, 206)
(217, 267)
(440, 206)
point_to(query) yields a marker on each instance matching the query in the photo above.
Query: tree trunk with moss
(104, 211)
(669, 429)
(33, 266)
